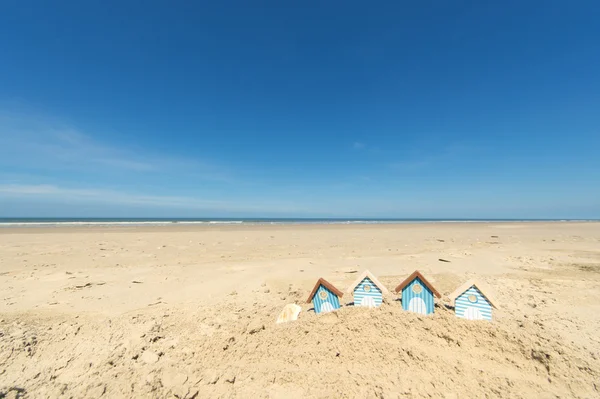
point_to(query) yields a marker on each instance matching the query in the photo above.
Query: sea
(50, 222)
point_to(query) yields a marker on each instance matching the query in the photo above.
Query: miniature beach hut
(368, 291)
(325, 297)
(417, 294)
(472, 301)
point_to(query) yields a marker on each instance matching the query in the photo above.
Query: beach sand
(189, 311)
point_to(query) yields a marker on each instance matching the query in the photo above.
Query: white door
(326, 307)
(472, 313)
(368, 302)
(417, 305)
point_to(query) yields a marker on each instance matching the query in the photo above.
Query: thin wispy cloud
(115, 199)
(357, 145)
(47, 192)
(410, 165)
(52, 148)
(126, 164)
(441, 157)
(45, 144)
(76, 147)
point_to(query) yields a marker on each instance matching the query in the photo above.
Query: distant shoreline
(39, 222)
(73, 223)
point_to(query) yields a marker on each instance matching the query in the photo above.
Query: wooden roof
(326, 284)
(485, 291)
(368, 274)
(410, 278)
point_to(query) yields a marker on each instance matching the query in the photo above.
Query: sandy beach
(189, 312)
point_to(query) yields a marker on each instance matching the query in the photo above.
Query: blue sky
(469, 109)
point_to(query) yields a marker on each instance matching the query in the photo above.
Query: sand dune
(189, 311)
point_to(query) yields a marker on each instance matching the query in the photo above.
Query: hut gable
(473, 302)
(409, 279)
(367, 290)
(418, 294)
(482, 288)
(325, 297)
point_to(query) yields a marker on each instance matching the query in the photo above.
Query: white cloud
(358, 145)
(48, 192)
(30, 142)
(126, 164)
(439, 159)
(53, 149)
(15, 189)
(410, 165)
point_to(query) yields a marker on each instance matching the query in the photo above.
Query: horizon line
(292, 218)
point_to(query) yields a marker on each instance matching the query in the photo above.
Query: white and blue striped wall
(320, 303)
(422, 302)
(472, 305)
(370, 297)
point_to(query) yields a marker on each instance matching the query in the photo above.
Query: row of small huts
(471, 300)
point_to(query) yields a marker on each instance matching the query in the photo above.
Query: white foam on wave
(34, 223)
(113, 223)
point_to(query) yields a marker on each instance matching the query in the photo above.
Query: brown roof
(327, 285)
(410, 278)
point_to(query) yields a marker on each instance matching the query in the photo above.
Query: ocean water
(40, 222)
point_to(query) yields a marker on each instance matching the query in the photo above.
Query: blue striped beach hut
(472, 301)
(367, 290)
(417, 294)
(325, 297)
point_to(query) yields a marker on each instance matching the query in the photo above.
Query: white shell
(289, 313)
